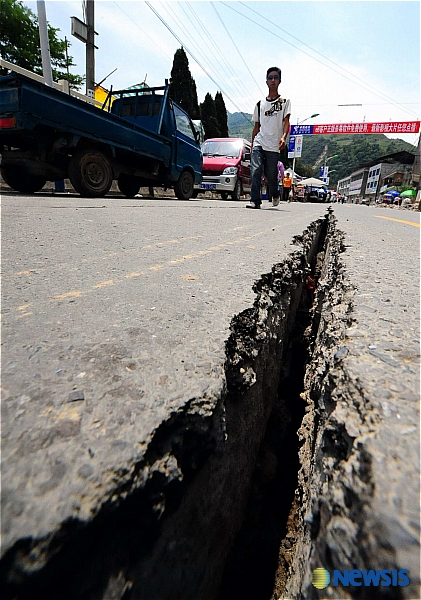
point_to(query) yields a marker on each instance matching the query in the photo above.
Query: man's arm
(255, 131)
(285, 132)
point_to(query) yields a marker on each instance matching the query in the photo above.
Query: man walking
(271, 127)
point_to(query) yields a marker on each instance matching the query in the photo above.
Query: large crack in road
(243, 495)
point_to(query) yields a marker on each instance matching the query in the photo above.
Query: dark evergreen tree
(221, 114)
(182, 85)
(20, 44)
(209, 119)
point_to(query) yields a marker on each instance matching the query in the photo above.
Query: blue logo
(383, 577)
(301, 129)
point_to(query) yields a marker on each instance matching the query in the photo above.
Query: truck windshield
(225, 148)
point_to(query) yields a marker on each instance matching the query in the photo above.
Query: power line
(333, 62)
(148, 4)
(140, 29)
(203, 57)
(148, 36)
(383, 96)
(204, 29)
(235, 46)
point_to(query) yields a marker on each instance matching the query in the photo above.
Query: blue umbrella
(392, 193)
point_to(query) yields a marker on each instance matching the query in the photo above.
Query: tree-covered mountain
(353, 150)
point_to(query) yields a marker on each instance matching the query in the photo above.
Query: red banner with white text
(387, 127)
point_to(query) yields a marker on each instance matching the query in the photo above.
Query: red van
(226, 167)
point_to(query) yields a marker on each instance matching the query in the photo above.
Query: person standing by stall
(287, 183)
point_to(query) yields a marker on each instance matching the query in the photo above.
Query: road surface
(116, 315)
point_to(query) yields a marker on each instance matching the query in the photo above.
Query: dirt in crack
(253, 566)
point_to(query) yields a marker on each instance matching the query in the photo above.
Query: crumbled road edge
(356, 504)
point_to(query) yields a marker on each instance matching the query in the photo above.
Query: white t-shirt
(271, 119)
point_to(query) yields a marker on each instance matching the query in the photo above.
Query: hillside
(352, 150)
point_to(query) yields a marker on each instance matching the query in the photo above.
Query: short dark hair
(273, 69)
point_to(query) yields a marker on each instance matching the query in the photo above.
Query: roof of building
(403, 157)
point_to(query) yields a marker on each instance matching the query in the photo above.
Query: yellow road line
(24, 306)
(135, 274)
(399, 221)
(103, 284)
(75, 294)
(110, 254)
(181, 259)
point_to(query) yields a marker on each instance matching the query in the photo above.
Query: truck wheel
(28, 184)
(224, 195)
(128, 185)
(90, 173)
(195, 194)
(184, 186)
(236, 194)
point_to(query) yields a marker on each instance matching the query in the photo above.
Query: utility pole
(90, 49)
(44, 43)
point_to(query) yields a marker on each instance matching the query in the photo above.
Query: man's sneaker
(275, 201)
(253, 205)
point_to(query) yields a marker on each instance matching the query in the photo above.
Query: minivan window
(226, 148)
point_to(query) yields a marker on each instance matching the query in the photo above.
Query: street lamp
(330, 157)
(326, 160)
(299, 123)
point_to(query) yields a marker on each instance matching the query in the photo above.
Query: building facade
(342, 187)
(357, 185)
(379, 176)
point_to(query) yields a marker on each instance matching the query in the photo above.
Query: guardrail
(62, 84)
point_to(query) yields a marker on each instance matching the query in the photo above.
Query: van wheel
(21, 182)
(224, 195)
(90, 173)
(236, 194)
(184, 187)
(128, 185)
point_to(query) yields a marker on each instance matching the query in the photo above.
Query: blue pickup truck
(141, 138)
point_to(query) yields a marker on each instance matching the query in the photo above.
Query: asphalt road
(156, 282)
(111, 298)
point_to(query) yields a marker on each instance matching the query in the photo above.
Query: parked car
(226, 167)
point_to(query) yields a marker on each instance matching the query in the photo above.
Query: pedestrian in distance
(281, 172)
(287, 183)
(271, 127)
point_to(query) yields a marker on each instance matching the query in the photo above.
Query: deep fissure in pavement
(169, 529)
(252, 566)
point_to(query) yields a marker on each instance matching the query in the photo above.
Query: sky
(331, 53)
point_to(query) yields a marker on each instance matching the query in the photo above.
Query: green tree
(182, 85)
(209, 118)
(20, 45)
(303, 169)
(221, 114)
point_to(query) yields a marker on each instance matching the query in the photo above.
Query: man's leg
(271, 170)
(256, 166)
